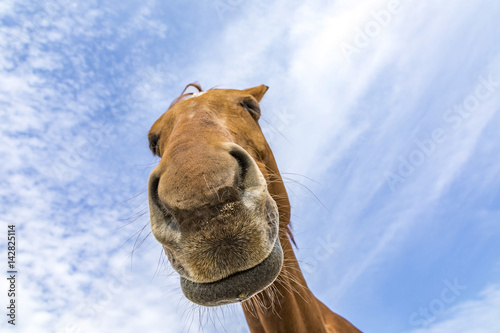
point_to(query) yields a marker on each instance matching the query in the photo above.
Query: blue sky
(383, 116)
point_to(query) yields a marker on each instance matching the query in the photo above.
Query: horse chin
(239, 286)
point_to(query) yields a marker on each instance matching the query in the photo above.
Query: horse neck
(289, 306)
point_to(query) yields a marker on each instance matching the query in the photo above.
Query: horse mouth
(239, 286)
(223, 243)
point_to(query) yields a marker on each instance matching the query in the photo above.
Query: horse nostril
(243, 163)
(157, 205)
(153, 191)
(154, 196)
(249, 175)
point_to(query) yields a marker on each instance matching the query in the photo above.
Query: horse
(220, 210)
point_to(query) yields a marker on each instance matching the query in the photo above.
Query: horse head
(216, 198)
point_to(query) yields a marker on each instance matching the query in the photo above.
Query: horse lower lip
(237, 287)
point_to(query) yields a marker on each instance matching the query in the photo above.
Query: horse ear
(257, 92)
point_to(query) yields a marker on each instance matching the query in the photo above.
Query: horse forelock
(185, 95)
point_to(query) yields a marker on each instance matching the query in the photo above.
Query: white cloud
(479, 315)
(56, 95)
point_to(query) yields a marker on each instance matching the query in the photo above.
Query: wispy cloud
(65, 83)
(475, 315)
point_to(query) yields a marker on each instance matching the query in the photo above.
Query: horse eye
(153, 144)
(252, 106)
